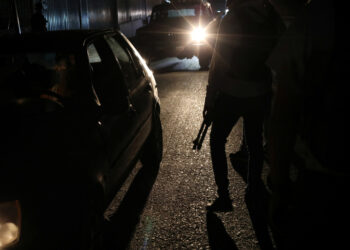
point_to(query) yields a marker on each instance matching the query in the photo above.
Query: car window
(181, 12)
(133, 53)
(123, 55)
(187, 10)
(93, 55)
(158, 15)
(39, 72)
(106, 76)
(162, 14)
(65, 75)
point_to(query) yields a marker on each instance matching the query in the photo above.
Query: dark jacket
(247, 34)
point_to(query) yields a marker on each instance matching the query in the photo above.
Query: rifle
(197, 143)
(207, 120)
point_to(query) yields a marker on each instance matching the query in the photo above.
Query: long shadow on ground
(122, 224)
(257, 204)
(219, 239)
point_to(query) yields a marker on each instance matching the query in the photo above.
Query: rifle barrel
(197, 143)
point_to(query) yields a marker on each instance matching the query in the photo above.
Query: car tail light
(10, 223)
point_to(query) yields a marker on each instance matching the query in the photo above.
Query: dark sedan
(79, 109)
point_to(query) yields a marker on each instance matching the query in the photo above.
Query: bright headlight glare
(10, 223)
(198, 34)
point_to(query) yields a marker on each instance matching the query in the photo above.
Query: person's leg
(221, 128)
(223, 122)
(254, 138)
(242, 154)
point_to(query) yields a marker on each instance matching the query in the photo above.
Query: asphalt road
(165, 208)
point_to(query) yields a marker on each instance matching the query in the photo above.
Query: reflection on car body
(79, 109)
(178, 28)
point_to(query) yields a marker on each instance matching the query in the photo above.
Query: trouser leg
(253, 124)
(221, 128)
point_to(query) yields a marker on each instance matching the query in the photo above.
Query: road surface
(166, 208)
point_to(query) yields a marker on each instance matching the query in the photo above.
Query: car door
(116, 117)
(138, 85)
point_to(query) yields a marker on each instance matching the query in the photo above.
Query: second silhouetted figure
(239, 85)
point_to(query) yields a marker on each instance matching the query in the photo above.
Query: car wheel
(153, 149)
(204, 61)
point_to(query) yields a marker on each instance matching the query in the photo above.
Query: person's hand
(208, 114)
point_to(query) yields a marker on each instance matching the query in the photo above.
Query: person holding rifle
(239, 85)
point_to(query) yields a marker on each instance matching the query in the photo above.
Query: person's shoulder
(229, 20)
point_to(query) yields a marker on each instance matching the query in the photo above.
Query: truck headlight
(198, 34)
(10, 223)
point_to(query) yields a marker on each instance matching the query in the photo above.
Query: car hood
(175, 25)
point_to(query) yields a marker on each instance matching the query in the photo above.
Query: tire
(152, 152)
(204, 61)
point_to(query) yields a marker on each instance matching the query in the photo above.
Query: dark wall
(93, 14)
(8, 16)
(80, 14)
(5, 11)
(62, 14)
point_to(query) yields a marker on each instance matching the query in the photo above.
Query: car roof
(69, 40)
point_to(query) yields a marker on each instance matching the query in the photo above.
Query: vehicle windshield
(38, 71)
(162, 14)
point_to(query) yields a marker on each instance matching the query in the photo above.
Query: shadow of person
(119, 230)
(219, 239)
(257, 205)
(316, 213)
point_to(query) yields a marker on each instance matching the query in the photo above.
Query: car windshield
(38, 71)
(162, 14)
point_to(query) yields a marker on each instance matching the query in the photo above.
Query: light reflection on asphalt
(175, 64)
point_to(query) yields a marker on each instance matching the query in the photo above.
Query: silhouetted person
(38, 21)
(309, 179)
(239, 85)
(242, 155)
